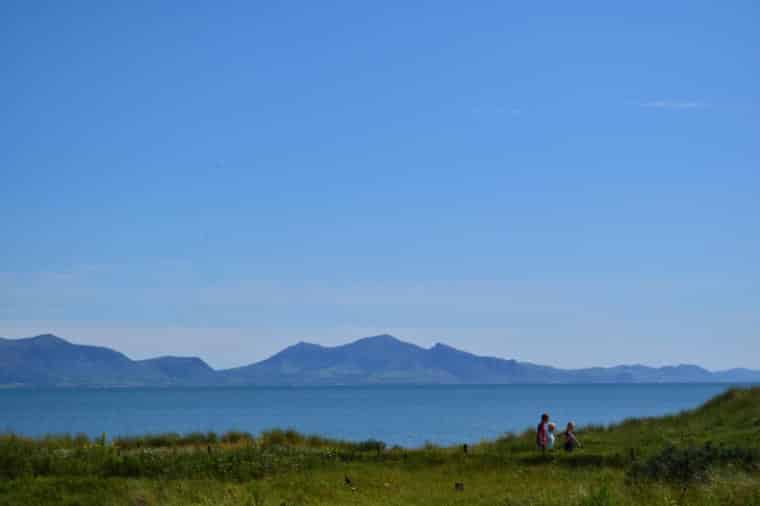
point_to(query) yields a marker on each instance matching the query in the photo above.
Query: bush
(371, 445)
(687, 466)
(236, 437)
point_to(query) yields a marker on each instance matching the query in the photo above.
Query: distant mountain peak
(382, 342)
(304, 345)
(176, 359)
(47, 338)
(300, 348)
(181, 368)
(381, 338)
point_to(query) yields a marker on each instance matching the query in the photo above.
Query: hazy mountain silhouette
(182, 370)
(48, 360)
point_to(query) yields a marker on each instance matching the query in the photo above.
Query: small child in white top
(550, 436)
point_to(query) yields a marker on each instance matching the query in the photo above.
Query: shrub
(235, 437)
(371, 445)
(687, 466)
(274, 437)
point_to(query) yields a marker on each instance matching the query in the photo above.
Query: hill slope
(47, 360)
(182, 370)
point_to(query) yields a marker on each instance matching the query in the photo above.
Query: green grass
(708, 456)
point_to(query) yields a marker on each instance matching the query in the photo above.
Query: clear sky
(569, 183)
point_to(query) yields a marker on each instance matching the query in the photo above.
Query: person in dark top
(571, 442)
(541, 435)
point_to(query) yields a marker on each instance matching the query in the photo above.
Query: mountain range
(50, 361)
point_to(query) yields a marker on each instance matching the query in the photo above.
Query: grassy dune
(708, 456)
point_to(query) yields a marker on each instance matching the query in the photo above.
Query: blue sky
(570, 183)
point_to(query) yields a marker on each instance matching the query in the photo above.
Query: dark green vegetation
(709, 456)
(51, 361)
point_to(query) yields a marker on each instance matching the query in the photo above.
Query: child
(541, 435)
(571, 442)
(550, 436)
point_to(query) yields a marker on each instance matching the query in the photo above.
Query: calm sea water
(404, 415)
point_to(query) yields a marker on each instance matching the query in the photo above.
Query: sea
(408, 416)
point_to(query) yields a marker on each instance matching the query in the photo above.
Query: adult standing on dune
(541, 434)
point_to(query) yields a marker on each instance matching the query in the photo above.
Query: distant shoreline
(728, 384)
